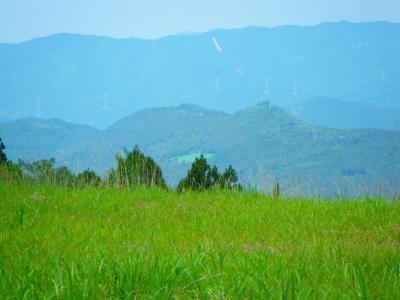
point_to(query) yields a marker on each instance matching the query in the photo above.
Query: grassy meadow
(100, 244)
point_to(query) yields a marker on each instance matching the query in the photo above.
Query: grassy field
(101, 244)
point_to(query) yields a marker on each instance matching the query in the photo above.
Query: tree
(198, 177)
(276, 190)
(88, 178)
(136, 169)
(230, 177)
(44, 172)
(201, 177)
(11, 173)
(3, 157)
(216, 178)
(41, 171)
(64, 177)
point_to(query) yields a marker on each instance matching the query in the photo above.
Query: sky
(26, 19)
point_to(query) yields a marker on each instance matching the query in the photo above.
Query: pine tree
(201, 177)
(198, 177)
(230, 177)
(216, 178)
(3, 157)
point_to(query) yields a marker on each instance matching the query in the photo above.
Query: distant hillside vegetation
(98, 80)
(333, 112)
(264, 143)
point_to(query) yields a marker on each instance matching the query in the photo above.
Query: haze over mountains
(333, 112)
(263, 143)
(332, 87)
(98, 80)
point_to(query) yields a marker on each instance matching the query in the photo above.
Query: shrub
(136, 169)
(88, 178)
(201, 177)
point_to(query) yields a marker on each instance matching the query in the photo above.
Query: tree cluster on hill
(202, 176)
(44, 172)
(133, 169)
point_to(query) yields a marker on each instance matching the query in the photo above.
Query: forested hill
(262, 142)
(333, 112)
(98, 80)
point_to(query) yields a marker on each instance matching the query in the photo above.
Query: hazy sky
(25, 19)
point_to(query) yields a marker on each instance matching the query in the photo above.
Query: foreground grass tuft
(67, 244)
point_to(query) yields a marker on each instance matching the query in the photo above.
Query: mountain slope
(264, 144)
(332, 112)
(98, 80)
(33, 139)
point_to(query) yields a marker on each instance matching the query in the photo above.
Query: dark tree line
(132, 169)
(44, 172)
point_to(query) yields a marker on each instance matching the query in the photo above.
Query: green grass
(101, 244)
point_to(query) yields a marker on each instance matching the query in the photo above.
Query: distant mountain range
(333, 112)
(98, 80)
(264, 143)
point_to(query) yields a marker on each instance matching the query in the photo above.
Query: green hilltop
(262, 142)
(98, 80)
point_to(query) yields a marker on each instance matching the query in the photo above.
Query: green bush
(88, 178)
(135, 169)
(201, 177)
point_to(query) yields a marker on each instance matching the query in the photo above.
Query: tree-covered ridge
(263, 143)
(44, 172)
(98, 80)
(337, 113)
(133, 170)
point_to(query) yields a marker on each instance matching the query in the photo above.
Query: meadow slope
(98, 244)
